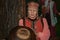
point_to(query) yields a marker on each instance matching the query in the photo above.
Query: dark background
(10, 13)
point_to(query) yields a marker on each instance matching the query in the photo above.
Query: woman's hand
(42, 36)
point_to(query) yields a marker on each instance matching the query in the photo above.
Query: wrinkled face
(32, 12)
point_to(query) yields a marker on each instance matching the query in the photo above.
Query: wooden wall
(10, 12)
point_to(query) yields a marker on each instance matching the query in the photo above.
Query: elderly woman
(38, 24)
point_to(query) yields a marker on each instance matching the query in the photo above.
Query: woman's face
(32, 12)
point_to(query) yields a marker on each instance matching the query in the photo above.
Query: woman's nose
(32, 11)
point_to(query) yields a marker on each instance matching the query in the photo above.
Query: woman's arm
(46, 32)
(21, 22)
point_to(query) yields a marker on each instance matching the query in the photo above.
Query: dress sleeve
(46, 32)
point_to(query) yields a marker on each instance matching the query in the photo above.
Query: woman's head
(33, 9)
